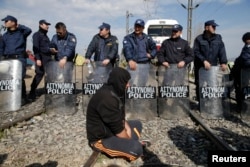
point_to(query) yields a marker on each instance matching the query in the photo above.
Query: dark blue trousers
(130, 149)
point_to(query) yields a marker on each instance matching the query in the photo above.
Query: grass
(1, 134)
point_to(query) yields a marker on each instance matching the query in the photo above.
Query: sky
(83, 17)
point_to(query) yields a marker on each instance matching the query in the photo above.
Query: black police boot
(32, 95)
(24, 101)
(24, 96)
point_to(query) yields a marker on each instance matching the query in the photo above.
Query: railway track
(92, 159)
(220, 143)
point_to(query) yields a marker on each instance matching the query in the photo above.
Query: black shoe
(32, 96)
(24, 101)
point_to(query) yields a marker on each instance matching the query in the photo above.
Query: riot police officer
(241, 62)
(60, 72)
(42, 54)
(209, 50)
(175, 50)
(139, 49)
(13, 46)
(63, 44)
(104, 46)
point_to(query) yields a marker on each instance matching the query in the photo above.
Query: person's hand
(223, 67)
(148, 56)
(39, 63)
(62, 62)
(53, 50)
(165, 64)
(105, 62)
(207, 65)
(87, 61)
(132, 64)
(128, 129)
(181, 64)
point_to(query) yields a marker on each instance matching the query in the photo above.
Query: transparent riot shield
(60, 97)
(245, 89)
(95, 74)
(140, 101)
(78, 85)
(10, 85)
(213, 90)
(173, 99)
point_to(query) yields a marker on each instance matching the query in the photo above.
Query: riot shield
(140, 101)
(245, 91)
(213, 89)
(95, 74)
(60, 97)
(173, 99)
(10, 85)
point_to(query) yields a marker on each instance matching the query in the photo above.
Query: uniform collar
(42, 30)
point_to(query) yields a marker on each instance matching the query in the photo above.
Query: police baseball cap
(140, 22)
(9, 17)
(177, 27)
(246, 37)
(44, 22)
(211, 23)
(105, 25)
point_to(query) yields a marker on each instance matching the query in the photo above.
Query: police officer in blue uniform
(139, 49)
(41, 43)
(104, 46)
(63, 45)
(209, 50)
(13, 46)
(175, 50)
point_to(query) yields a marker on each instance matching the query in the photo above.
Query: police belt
(143, 62)
(14, 56)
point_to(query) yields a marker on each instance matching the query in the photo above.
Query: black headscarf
(118, 78)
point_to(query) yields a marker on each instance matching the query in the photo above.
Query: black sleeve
(36, 50)
(91, 48)
(189, 54)
(161, 53)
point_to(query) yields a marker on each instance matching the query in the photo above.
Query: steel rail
(92, 159)
(221, 144)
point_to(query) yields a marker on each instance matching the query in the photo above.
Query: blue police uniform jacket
(210, 49)
(103, 48)
(14, 42)
(65, 46)
(131, 51)
(41, 43)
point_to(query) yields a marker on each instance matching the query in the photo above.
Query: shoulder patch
(73, 39)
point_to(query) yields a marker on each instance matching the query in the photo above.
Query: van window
(160, 30)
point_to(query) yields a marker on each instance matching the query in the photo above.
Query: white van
(159, 29)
